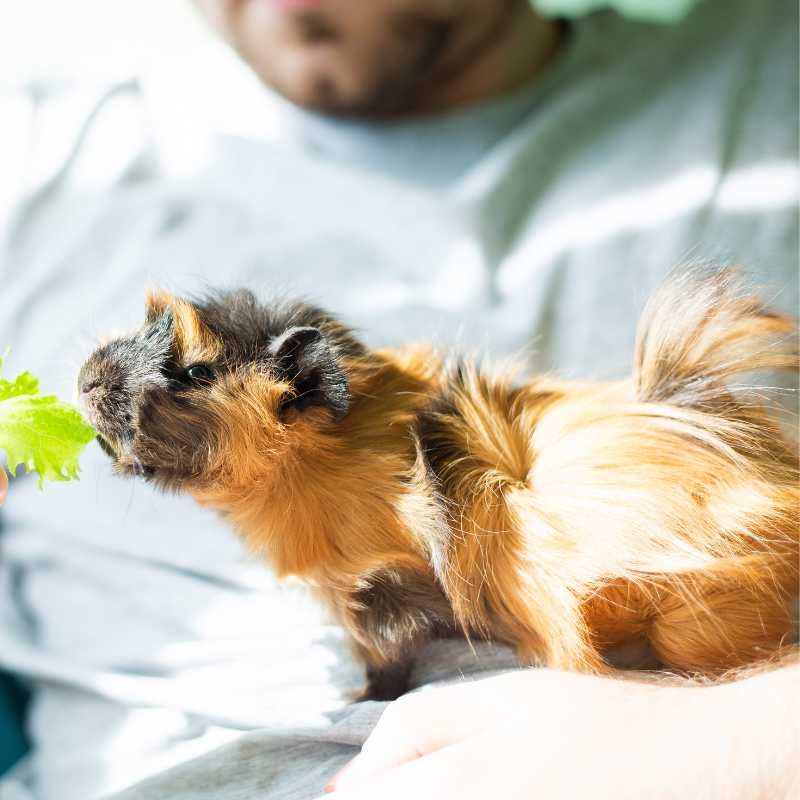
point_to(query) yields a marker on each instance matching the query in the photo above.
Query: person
(460, 169)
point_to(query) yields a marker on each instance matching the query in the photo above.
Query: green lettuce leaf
(23, 384)
(40, 431)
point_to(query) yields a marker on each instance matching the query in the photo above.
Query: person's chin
(293, 5)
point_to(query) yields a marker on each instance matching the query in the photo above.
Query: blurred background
(41, 38)
(47, 37)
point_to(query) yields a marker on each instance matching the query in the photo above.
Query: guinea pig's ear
(305, 358)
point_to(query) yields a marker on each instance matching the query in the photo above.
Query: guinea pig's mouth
(106, 445)
(125, 461)
(111, 419)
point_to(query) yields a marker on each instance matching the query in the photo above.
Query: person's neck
(528, 45)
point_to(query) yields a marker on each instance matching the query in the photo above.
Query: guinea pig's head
(206, 389)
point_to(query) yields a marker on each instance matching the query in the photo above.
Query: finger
(443, 775)
(422, 723)
(3, 485)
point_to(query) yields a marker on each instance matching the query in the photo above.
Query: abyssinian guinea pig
(426, 496)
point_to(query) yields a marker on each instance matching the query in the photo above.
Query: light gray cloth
(165, 660)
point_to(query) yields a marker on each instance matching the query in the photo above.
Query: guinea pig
(425, 495)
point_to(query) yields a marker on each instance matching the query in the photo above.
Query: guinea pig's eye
(200, 373)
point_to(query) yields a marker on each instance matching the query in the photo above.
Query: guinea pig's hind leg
(713, 621)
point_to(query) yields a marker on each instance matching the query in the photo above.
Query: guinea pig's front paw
(384, 684)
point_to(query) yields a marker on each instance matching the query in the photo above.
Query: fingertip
(344, 776)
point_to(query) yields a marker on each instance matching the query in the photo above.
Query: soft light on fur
(424, 497)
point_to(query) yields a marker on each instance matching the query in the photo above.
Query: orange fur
(578, 517)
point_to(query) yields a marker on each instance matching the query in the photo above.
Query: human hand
(3, 485)
(546, 734)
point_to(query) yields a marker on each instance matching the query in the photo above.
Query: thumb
(3, 485)
(444, 775)
(418, 724)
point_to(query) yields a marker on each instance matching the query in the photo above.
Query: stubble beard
(416, 56)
